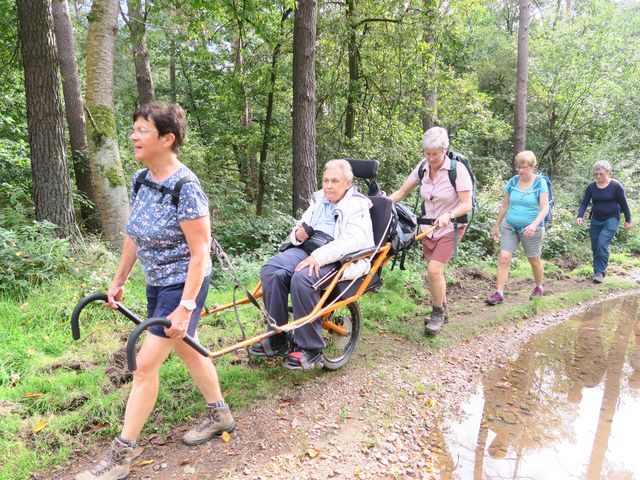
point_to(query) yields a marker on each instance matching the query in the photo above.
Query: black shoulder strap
(139, 179)
(421, 170)
(173, 192)
(453, 174)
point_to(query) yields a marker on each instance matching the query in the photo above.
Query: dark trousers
(279, 278)
(601, 233)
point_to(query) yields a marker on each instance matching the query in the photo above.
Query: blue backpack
(541, 177)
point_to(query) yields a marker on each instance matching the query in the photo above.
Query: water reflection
(568, 407)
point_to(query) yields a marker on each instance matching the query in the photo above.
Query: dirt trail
(377, 418)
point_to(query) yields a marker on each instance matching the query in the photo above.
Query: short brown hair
(167, 118)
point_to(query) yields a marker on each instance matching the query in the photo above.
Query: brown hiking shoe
(433, 325)
(217, 421)
(114, 466)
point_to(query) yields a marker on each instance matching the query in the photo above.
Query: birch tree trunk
(304, 104)
(104, 157)
(45, 118)
(74, 109)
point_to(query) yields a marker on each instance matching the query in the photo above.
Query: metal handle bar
(75, 316)
(133, 338)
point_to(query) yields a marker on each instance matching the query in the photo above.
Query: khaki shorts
(440, 249)
(510, 238)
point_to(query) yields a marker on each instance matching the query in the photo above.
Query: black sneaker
(271, 347)
(435, 322)
(303, 359)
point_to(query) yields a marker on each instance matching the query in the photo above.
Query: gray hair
(343, 166)
(435, 137)
(602, 165)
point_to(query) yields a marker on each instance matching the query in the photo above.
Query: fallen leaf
(430, 403)
(360, 474)
(313, 452)
(189, 469)
(32, 351)
(40, 425)
(33, 395)
(142, 463)
(225, 437)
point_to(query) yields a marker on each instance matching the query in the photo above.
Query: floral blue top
(154, 226)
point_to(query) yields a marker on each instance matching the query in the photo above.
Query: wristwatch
(189, 305)
(451, 215)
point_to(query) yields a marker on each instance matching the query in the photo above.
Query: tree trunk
(354, 73)
(104, 157)
(304, 104)
(45, 118)
(522, 78)
(246, 159)
(429, 65)
(74, 108)
(138, 28)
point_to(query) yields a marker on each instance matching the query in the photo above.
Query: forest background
(383, 71)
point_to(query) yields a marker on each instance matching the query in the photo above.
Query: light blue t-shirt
(326, 221)
(524, 205)
(154, 226)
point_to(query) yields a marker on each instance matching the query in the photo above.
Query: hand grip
(75, 315)
(133, 339)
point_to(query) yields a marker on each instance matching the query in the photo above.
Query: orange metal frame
(381, 259)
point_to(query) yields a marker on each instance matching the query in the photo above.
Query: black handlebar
(133, 338)
(75, 316)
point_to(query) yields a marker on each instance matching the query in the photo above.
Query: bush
(30, 254)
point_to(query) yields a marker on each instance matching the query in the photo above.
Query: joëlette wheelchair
(337, 309)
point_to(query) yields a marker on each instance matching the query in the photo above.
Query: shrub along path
(378, 417)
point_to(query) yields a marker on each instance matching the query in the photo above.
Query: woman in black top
(608, 200)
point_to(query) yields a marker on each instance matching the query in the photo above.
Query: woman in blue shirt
(525, 205)
(608, 200)
(172, 243)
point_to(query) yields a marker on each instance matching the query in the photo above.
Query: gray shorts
(510, 238)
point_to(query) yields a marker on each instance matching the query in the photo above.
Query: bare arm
(502, 211)
(530, 229)
(403, 192)
(198, 235)
(125, 265)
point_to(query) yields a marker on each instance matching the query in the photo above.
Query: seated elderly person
(340, 211)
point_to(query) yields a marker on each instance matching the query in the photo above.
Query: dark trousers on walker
(278, 278)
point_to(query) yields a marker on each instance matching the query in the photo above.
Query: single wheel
(340, 346)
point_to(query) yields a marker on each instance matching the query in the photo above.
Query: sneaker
(495, 299)
(303, 359)
(598, 277)
(271, 347)
(217, 421)
(435, 322)
(114, 466)
(537, 292)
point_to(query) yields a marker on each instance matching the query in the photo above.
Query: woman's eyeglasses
(141, 132)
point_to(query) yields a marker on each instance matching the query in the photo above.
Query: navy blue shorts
(162, 300)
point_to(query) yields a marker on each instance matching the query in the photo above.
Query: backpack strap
(173, 192)
(453, 173)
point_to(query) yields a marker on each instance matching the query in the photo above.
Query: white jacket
(353, 231)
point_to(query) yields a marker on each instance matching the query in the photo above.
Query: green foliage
(31, 254)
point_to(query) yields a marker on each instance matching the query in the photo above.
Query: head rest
(364, 168)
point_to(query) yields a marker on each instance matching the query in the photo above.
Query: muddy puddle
(567, 406)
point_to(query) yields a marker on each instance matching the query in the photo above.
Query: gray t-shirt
(154, 226)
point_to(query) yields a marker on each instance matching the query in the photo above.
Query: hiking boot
(435, 322)
(217, 421)
(303, 359)
(537, 292)
(114, 466)
(276, 346)
(495, 299)
(598, 277)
